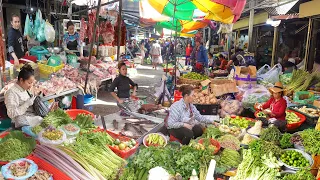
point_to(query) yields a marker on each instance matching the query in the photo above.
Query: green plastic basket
(5, 124)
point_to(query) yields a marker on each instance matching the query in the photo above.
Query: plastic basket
(45, 69)
(291, 126)
(73, 113)
(214, 143)
(207, 109)
(5, 124)
(44, 165)
(2, 135)
(310, 119)
(121, 153)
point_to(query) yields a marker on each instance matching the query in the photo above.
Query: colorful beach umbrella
(180, 9)
(148, 15)
(182, 25)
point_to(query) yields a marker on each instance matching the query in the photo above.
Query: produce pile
(155, 140)
(204, 97)
(302, 80)
(310, 111)
(195, 76)
(291, 117)
(241, 122)
(295, 159)
(15, 146)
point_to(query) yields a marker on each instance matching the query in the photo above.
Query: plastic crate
(45, 69)
(44, 165)
(121, 153)
(208, 109)
(73, 113)
(310, 119)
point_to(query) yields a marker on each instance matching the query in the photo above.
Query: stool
(172, 138)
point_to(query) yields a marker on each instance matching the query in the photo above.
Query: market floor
(147, 79)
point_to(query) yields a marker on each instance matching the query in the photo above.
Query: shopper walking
(156, 54)
(142, 51)
(200, 56)
(188, 54)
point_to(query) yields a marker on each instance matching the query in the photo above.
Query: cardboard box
(245, 75)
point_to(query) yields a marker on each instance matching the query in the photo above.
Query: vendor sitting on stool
(277, 105)
(183, 119)
(19, 102)
(71, 41)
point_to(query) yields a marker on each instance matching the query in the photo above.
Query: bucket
(87, 98)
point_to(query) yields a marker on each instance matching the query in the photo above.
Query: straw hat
(278, 87)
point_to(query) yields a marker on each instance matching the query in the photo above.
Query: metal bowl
(305, 155)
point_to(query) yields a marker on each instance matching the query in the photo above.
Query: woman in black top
(122, 83)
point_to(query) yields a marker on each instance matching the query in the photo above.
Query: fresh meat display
(107, 32)
(83, 30)
(55, 85)
(92, 19)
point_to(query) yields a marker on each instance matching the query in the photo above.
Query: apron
(72, 45)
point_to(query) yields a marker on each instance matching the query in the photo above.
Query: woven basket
(189, 81)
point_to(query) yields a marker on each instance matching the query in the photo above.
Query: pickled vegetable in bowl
(52, 133)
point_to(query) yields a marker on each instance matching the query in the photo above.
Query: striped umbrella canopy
(182, 25)
(180, 9)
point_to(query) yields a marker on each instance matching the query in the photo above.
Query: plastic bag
(230, 107)
(49, 32)
(37, 22)
(7, 173)
(264, 69)
(272, 76)
(71, 133)
(258, 94)
(28, 27)
(46, 141)
(28, 131)
(41, 36)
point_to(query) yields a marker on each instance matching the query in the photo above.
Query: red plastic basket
(74, 112)
(291, 126)
(44, 165)
(121, 153)
(2, 135)
(213, 142)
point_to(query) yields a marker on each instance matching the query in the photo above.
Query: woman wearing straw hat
(276, 107)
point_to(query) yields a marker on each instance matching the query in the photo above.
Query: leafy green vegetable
(15, 145)
(250, 169)
(260, 148)
(285, 141)
(271, 134)
(302, 174)
(36, 129)
(212, 132)
(98, 138)
(56, 118)
(311, 140)
(228, 159)
(84, 121)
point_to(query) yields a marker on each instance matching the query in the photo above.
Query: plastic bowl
(73, 113)
(283, 173)
(307, 156)
(146, 137)
(87, 98)
(214, 143)
(291, 126)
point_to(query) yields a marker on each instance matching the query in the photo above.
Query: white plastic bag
(264, 69)
(46, 141)
(273, 75)
(258, 94)
(49, 32)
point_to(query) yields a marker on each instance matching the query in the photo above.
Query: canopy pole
(250, 31)
(306, 54)
(274, 46)
(91, 46)
(119, 29)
